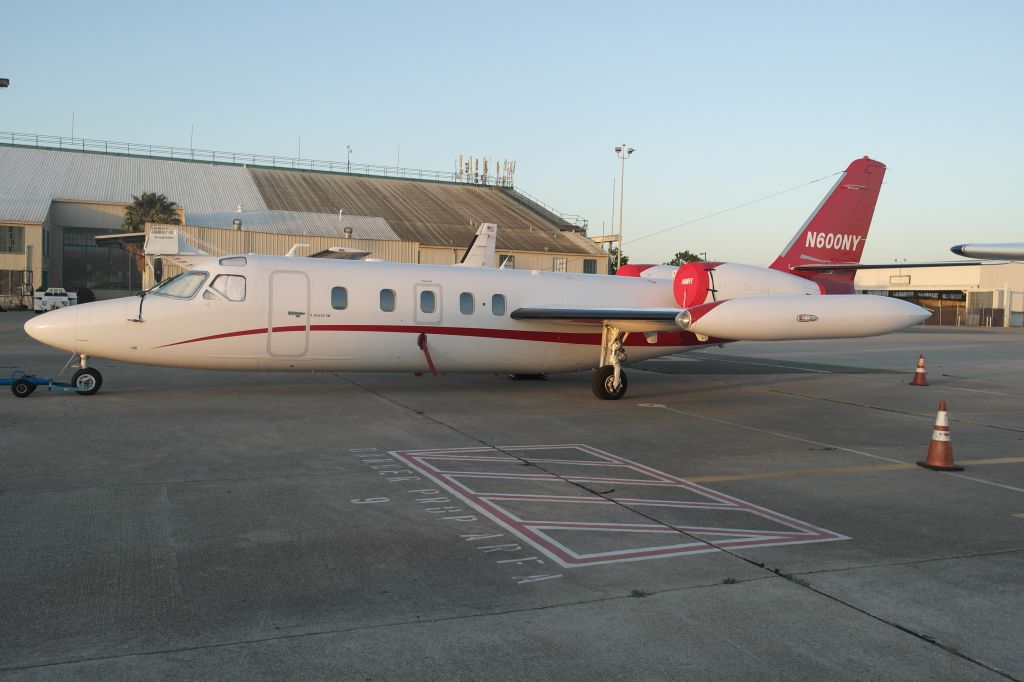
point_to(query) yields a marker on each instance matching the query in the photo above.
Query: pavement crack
(366, 628)
(928, 639)
(603, 495)
(794, 579)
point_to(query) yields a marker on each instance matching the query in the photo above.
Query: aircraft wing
(1012, 251)
(838, 267)
(627, 319)
(753, 318)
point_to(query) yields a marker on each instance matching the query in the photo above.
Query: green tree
(150, 208)
(613, 254)
(684, 257)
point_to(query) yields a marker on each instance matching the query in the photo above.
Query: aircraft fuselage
(293, 317)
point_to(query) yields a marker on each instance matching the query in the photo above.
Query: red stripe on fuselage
(247, 332)
(579, 338)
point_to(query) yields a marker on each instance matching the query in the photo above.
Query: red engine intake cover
(692, 283)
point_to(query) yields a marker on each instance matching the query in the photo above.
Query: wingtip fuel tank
(794, 318)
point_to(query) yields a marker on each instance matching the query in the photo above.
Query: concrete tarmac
(751, 512)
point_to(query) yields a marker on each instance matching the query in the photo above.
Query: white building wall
(1000, 283)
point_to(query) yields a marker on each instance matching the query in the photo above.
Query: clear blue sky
(724, 102)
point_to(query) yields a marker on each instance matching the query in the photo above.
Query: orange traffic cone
(940, 450)
(919, 377)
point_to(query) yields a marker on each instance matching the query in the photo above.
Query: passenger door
(288, 330)
(428, 303)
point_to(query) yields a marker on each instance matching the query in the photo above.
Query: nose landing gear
(86, 381)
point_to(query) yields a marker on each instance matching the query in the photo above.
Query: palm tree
(150, 208)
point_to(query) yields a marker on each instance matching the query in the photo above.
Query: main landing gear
(609, 380)
(86, 381)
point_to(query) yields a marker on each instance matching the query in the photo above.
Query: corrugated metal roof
(298, 223)
(285, 201)
(20, 209)
(31, 178)
(434, 214)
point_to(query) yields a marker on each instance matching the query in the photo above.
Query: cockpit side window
(184, 285)
(231, 287)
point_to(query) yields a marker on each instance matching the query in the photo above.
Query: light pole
(623, 152)
(348, 148)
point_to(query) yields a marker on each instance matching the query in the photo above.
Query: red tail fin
(836, 231)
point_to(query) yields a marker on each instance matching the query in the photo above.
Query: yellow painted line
(955, 420)
(803, 472)
(867, 469)
(1019, 516)
(998, 460)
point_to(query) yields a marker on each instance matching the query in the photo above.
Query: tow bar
(85, 381)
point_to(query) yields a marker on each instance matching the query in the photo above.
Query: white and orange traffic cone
(919, 377)
(940, 450)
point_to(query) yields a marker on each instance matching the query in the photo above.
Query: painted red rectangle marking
(682, 539)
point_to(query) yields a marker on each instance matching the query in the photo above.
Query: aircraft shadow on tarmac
(688, 364)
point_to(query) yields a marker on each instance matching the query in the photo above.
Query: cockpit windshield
(184, 285)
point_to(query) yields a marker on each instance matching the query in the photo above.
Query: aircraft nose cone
(56, 328)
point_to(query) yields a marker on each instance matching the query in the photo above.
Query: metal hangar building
(58, 194)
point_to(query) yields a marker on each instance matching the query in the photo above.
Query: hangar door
(289, 313)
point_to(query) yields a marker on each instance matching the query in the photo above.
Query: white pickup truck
(53, 298)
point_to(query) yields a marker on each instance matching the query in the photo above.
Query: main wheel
(87, 381)
(603, 383)
(22, 388)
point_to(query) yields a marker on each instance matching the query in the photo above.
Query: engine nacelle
(697, 283)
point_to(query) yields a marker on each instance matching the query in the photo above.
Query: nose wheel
(87, 381)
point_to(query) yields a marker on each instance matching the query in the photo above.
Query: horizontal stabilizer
(170, 241)
(123, 239)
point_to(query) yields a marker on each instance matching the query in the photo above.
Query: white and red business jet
(251, 312)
